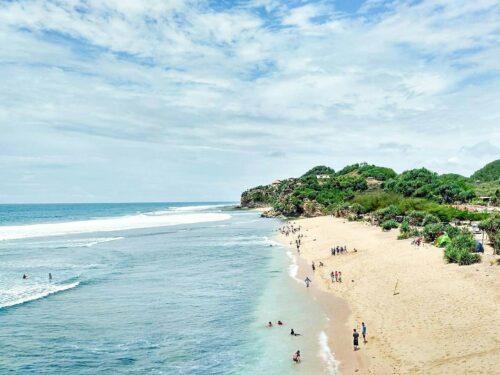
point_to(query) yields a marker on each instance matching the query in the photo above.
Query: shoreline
(439, 321)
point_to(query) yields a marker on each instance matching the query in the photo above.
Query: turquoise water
(148, 289)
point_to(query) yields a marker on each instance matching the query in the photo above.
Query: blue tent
(479, 247)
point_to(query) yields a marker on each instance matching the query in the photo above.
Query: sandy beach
(423, 316)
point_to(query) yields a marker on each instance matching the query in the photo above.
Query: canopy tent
(479, 247)
(443, 240)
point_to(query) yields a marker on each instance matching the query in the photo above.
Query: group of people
(339, 250)
(336, 276)
(296, 355)
(355, 336)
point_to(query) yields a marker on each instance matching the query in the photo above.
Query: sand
(441, 319)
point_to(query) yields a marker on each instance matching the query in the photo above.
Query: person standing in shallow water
(355, 337)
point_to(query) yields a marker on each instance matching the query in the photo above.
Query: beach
(423, 316)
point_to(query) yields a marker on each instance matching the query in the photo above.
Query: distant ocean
(151, 288)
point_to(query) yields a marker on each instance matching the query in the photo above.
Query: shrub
(374, 201)
(452, 231)
(432, 231)
(416, 217)
(459, 250)
(430, 219)
(389, 224)
(492, 227)
(405, 227)
(388, 213)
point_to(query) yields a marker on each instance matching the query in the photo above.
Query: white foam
(327, 354)
(106, 225)
(25, 293)
(197, 208)
(293, 268)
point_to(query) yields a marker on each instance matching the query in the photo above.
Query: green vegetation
(318, 170)
(368, 170)
(389, 224)
(460, 249)
(418, 201)
(490, 172)
(422, 183)
(491, 226)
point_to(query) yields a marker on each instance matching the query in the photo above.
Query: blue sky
(120, 100)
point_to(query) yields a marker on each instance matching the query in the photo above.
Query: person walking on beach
(363, 331)
(307, 281)
(313, 266)
(340, 277)
(336, 276)
(332, 275)
(355, 337)
(296, 356)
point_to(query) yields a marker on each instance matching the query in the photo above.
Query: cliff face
(260, 196)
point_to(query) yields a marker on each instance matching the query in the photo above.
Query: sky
(180, 100)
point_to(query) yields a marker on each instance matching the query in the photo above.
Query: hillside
(419, 201)
(490, 172)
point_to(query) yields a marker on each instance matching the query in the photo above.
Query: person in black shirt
(355, 337)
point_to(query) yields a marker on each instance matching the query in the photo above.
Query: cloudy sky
(172, 100)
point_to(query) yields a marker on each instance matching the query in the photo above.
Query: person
(355, 337)
(340, 276)
(296, 356)
(269, 324)
(280, 323)
(25, 277)
(336, 276)
(321, 264)
(307, 281)
(50, 276)
(313, 266)
(363, 331)
(292, 332)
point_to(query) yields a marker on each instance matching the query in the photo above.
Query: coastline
(439, 321)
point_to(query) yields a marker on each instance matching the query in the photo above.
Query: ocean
(152, 288)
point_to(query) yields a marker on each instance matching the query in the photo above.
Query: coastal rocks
(272, 214)
(312, 208)
(257, 197)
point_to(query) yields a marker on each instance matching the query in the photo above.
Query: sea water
(157, 288)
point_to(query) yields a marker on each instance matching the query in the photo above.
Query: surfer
(25, 277)
(292, 332)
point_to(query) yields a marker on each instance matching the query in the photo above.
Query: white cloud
(185, 82)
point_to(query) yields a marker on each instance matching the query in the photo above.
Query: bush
(405, 227)
(389, 224)
(430, 219)
(452, 231)
(460, 249)
(388, 213)
(432, 231)
(374, 201)
(416, 217)
(492, 227)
